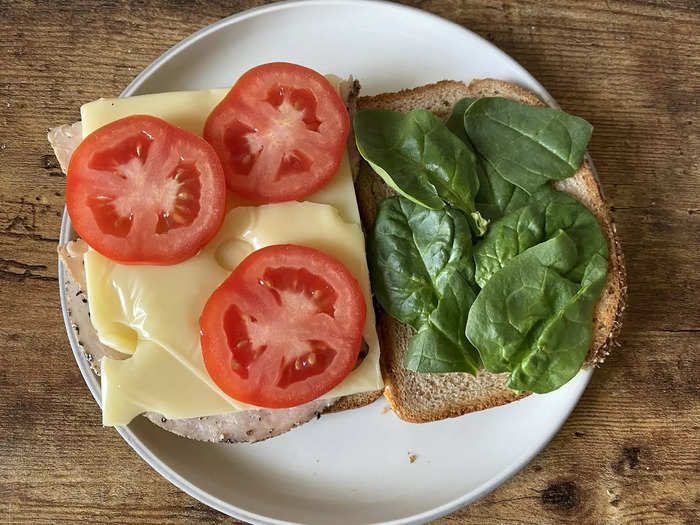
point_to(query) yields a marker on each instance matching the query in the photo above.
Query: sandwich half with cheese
(153, 267)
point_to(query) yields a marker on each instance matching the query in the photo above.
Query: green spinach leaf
(422, 274)
(563, 341)
(421, 159)
(548, 212)
(563, 212)
(455, 122)
(496, 196)
(532, 321)
(441, 344)
(430, 351)
(527, 145)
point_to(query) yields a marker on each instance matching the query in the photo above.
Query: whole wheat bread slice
(429, 397)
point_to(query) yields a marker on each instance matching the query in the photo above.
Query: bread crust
(422, 398)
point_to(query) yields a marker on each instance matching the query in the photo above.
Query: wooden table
(630, 451)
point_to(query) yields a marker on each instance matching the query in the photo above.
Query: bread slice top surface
(430, 397)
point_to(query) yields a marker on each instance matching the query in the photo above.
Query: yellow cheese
(160, 306)
(185, 109)
(153, 380)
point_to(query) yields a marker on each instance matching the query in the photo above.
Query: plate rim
(144, 451)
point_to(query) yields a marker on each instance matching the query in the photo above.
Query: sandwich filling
(151, 313)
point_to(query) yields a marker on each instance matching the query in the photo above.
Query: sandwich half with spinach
(493, 255)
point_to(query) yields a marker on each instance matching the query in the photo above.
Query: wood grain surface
(630, 451)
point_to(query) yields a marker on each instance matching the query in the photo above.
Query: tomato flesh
(284, 328)
(280, 132)
(142, 191)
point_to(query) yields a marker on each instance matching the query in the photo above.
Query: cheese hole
(125, 337)
(230, 253)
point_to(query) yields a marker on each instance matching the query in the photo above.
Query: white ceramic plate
(351, 467)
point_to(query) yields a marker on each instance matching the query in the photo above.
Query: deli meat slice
(64, 139)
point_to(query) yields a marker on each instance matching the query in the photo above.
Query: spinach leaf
(496, 196)
(527, 145)
(563, 212)
(547, 212)
(431, 352)
(532, 321)
(422, 274)
(421, 159)
(516, 298)
(455, 123)
(441, 344)
(450, 319)
(506, 238)
(414, 252)
(564, 340)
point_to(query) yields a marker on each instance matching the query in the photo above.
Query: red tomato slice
(142, 191)
(284, 328)
(280, 132)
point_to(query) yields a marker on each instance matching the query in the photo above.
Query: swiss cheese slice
(153, 312)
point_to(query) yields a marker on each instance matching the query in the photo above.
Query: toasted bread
(418, 397)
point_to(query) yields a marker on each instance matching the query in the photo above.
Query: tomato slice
(280, 132)
(142, 191)
(284, 328)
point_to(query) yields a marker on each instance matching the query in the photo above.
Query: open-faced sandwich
(218, 281)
